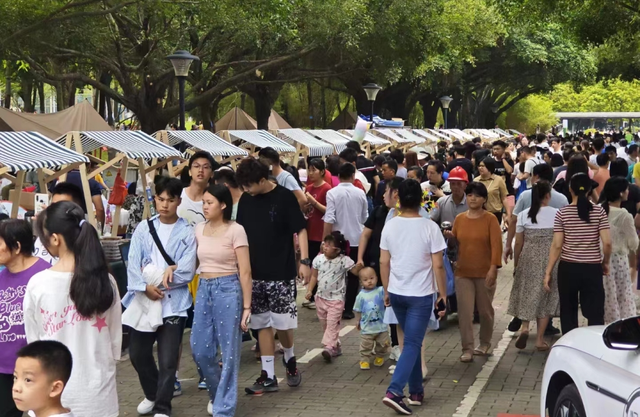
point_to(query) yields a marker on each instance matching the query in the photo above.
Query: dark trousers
(580, 284)
(498, 216)
(158, 385)
(7, 406)
(314, 250)
(353, 284)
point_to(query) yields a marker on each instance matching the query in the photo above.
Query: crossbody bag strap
(156, 239)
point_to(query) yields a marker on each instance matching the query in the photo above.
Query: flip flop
(543, 348)
(521, 342)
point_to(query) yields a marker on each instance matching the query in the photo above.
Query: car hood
(585, 339)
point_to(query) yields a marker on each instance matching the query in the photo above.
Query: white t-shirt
(528, 168)
(332, 276)
(164, 233)
(286, 180)
(69, 414)
(41, 252)
(411, 241)
(190, 210)
(95, 343)
(544, 219)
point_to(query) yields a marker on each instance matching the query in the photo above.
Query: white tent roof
(489, 133)
(134, 143)
(372, 139)
(437, 134)
(316, 146)
(30, 150)
(262, 139)
(337, 139)
(392, 136)
(463, 134)
(426, 135)
(204, 140)
(408, 135)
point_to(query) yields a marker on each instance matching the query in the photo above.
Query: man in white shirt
(201, 168)
(556, 146)
(271, 158)
(346, 212)
(350, 156)
(531, 162)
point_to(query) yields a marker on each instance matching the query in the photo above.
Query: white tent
(338, 140)
(304, 142)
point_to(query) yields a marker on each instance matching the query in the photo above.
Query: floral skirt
(619, 302)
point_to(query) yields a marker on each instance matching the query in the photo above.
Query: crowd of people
(398, 243)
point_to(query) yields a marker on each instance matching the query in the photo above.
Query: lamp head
(445, 100)
(181, 61)
(372, 91)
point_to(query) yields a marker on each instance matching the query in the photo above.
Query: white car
(594, 372)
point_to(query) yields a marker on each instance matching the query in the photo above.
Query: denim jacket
(181, 248)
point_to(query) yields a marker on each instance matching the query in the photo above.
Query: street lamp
(445, 100)
(181, 61)
(372, 91)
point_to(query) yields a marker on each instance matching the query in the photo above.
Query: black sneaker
(294, 377)
(395, 402)
(348, 315)
(550, 330)
(514, 324)
(263, 384)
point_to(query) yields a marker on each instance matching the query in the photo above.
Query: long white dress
(95, 343)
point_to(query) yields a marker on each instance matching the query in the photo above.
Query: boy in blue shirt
(369, 309)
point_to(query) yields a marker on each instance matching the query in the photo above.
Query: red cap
(458, 174)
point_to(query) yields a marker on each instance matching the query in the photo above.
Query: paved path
(342, 389)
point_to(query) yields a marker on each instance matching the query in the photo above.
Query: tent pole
(17, 194)
(147, 205)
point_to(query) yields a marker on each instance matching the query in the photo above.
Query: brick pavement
(342, 389)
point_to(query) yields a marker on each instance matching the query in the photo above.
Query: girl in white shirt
(76, 302)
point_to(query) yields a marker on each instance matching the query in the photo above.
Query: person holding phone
(162, 262)
(223, 301)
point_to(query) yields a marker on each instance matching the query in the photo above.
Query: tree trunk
(430, 108)
(109, 112)
(41, 98)
(206, 116)
(243, 99)
(323, 104)
(71, 98)
(312, 112)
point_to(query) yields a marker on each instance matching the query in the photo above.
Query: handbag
(156, 239)
(119, 191)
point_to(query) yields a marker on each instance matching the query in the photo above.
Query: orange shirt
(479, 244)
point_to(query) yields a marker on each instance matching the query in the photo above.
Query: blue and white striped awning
(316, 147)
(371, 139)
(393, 136)
(338, 140)
(408, 135)
(22, 151)
(261, 139)
(204, 140)
(437, 134)
(133, 143)
(426, 135)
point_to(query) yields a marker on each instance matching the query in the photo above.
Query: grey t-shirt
(447, 210)
(558, 200)
(402, 172)
(286, 180)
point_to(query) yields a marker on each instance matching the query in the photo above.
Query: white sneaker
(395, 353)
(210, 408)
(146, 407)
(160, 415)
(392, 369)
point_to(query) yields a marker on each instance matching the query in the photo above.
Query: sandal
(482, 350)
(545, 347)
(466, 357)
(521, 342)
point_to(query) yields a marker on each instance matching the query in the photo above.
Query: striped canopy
(437, 134)
(204, 140)
(338, 140)
(22, 151)
(262, 139)
(408, 135)
(393, 136)
(133, 143)
(426, 135)
(371, 139)
(316, 147)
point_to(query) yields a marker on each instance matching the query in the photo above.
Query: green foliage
(530, 112)
(605, 96)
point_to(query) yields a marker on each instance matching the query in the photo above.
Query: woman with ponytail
(618, 294)
(579, 229)
(76, 302)
(528, 300)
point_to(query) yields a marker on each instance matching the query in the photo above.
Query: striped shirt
(581, 240)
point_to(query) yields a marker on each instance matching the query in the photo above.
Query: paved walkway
(509, 383)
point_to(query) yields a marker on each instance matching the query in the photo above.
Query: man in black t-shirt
(461, 161)
(504, 165)
(270, 215)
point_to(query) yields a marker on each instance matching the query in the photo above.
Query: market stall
(306, 145)
(201, 140)
(429, 137)
(132, 147)
(371, 142)
(398, 141)
(24, 151)
(436, 133)
(338, 140)
(407, 134)
(254, 140)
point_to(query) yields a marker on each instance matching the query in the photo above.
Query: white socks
(268, 366)
(288, 353)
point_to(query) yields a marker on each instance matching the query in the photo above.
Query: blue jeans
(216, 322)
(413, 315)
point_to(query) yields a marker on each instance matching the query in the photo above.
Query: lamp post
(181, 61)
(372, 91)
(445, 100)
